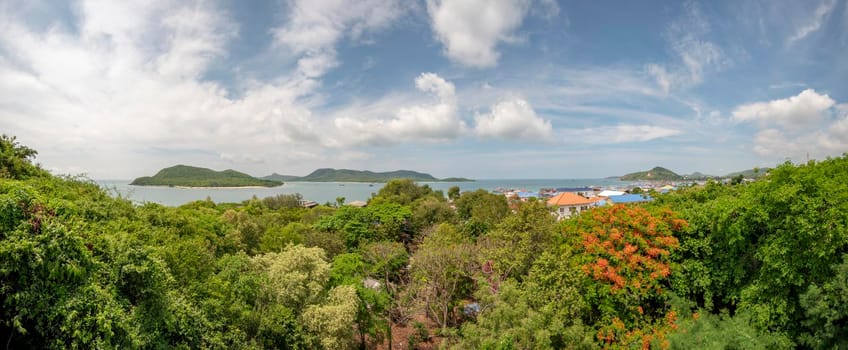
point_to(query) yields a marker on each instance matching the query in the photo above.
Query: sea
(323, 192)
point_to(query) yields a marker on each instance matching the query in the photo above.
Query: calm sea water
(322, 192)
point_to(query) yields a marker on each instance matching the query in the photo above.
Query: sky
(483, 89)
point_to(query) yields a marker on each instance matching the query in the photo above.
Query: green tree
(330, 321)
(543, 312)
(276, 238)
(281, 201)
(431, 211)
(441, 271)
(480, 210)
(16, 159)
(519, 239)
(401, 191)
(296, 276)
(453, 193)
(826, 310)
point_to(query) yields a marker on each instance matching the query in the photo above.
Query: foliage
(722, 331)
(441, 271)
(453, 193)
(543, 312)
(760, 246)
(480, 210)
(401, 191)
(283, 201)
(625, 253)
(758, 264)
(15, 159)
(512, 246)
(826, 310)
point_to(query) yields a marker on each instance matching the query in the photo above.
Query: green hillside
(189, 176)
(348, 175)
(278, 177)
(755, 173)
(698, 176)
(657, 173)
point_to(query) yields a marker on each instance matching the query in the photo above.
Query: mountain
(657, 173)
(698, 176)
(189, 176)
(755, 173)
(278, 177)
(348, 175)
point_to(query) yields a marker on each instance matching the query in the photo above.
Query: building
(608, 193)
(568, 204)
(583, 191)
(358, 204)
(629, 198)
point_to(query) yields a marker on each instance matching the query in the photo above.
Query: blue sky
(473, 88)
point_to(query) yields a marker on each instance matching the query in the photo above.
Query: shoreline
(204, 187)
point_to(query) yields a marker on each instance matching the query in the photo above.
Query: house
(583, 191)
(524, 196)
(358, 204)
(629, 198)
(308, 204)
(568, 203)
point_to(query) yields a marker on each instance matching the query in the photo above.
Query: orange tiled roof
(568, 198)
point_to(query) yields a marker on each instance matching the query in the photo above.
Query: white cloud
(131, 79)
(622, 133)
(808, 124)
(314, 27)
(470, 30)
(436, 121)
(687, 38)
(515, 120)
(802, 111)
(822, 11)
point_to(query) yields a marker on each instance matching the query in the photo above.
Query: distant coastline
(204, 187)
(349, 175)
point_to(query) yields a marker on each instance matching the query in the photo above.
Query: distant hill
(348, 175)
(278, 177)
(189, 176)
(657, 173)
(755, 173)
(698, 176)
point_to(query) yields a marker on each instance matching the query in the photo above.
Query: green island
(348, 175)
(657, 173)
(663, 174)
(754, 265)
(189, 176)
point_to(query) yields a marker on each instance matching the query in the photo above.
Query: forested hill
(348, 175)
(657, 173)
(754, 173)
(189, 176)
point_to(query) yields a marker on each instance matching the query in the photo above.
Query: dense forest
(748, 265)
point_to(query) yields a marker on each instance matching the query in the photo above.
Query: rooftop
(568, 198)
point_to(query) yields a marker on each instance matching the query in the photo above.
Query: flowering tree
(624, 252)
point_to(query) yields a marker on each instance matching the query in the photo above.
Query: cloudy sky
(474, 88)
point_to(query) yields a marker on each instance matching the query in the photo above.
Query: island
(189, 176)
(348, 175)
(754, 173)
(657, 174)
